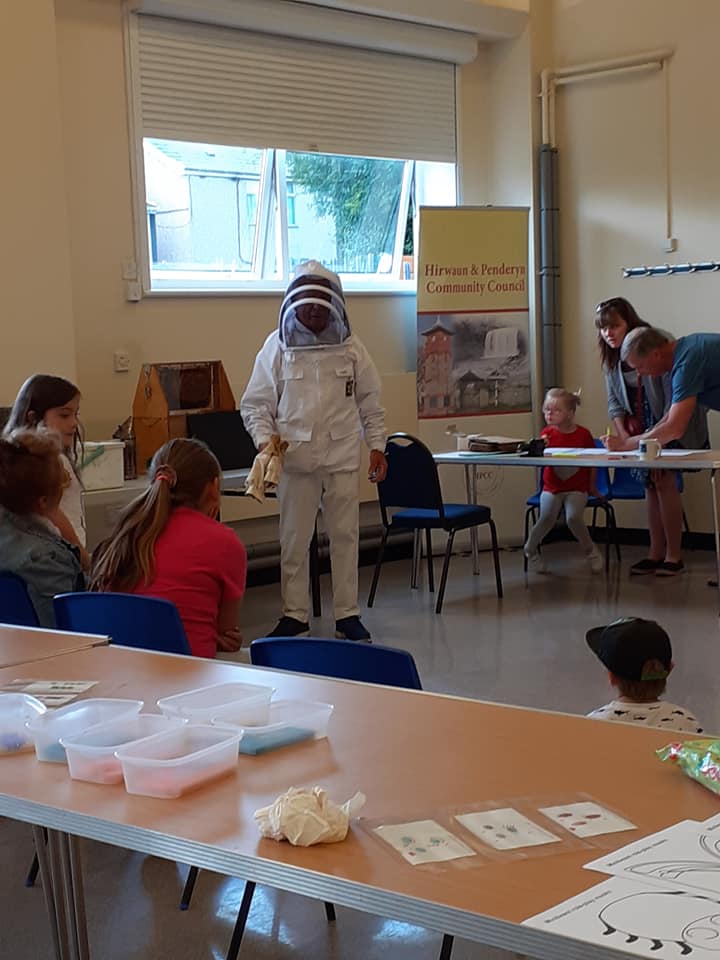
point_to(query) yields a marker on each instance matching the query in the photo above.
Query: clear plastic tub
(173, 763)
(16, 709)
(290, 721)
(91, 754)
(46, 730)
(249, 703)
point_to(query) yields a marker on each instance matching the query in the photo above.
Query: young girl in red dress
(564, 488)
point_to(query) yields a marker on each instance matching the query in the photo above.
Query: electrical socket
(121, 361)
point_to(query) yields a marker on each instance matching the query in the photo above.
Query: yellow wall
(611, 144)
(37, 326)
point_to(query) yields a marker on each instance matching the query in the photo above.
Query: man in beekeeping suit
(315, 386)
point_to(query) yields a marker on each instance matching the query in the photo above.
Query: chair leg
(528, 512)
(417, 550)
(189, 887)
(431, 572)
(496, 560)
(608, 524)
(446, 948)
(616, 539)
(315, 574)
(444, 574)
(378, 564)
(32, 872)
(330, 912)
(241, 921)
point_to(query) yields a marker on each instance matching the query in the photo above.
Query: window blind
(213, 84)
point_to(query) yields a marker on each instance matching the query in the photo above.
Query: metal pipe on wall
(549, 268)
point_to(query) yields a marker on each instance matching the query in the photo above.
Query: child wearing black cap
(638, 656)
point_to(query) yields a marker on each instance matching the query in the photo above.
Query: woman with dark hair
(52, 404)
(636, 404)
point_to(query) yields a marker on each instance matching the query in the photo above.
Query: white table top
(705, 460)
(231, 479)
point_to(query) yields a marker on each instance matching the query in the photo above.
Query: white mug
(649, 449)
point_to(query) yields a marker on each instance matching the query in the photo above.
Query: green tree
(360, 195)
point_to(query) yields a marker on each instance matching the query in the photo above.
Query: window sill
(391, 288)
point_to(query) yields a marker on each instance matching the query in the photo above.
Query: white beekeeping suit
(316, 387)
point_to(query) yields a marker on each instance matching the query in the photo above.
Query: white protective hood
(312, 283)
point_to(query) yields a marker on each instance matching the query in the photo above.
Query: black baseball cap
(627, 645)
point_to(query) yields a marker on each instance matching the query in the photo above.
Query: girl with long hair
(168, 543)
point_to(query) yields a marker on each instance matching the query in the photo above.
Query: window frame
(273, 184)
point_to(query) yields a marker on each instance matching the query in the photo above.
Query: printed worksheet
(587, 819)
(505, 829)
(52, 693)
(424, 841)
(637, 919)
(684, 857)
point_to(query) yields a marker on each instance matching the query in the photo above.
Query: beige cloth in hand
(305, 817)
(265, 472)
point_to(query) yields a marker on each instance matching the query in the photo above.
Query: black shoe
(668, 569)
(290, 627)
(351, 628)
(643, 567)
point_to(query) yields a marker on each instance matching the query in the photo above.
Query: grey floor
(528, 649)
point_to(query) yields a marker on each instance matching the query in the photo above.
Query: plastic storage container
(46, 730)
(91, 753)
(16, 709)
(170, 764)
(249, 703)
(103, 465)
(290, 721)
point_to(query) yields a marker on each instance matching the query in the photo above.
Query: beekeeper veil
(313, 313)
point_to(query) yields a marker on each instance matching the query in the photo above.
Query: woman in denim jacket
(32, 478)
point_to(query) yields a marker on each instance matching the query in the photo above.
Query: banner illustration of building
(472, 312)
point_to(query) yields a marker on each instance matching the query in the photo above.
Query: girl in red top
(168, 543)
(564, 487)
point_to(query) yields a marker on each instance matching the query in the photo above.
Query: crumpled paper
(265, 472)
(304, 817)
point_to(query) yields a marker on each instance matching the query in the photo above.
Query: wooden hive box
(166, 393)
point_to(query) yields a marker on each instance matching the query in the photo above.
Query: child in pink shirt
(168, 543)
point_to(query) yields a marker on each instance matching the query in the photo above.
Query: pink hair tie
(166, 474)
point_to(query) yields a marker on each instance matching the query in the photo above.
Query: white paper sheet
(424, 841)
(684, 857)
(505, 829)
(587, 819)
(637, 919)
(52, 693)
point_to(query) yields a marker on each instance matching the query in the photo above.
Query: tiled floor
(528, 649)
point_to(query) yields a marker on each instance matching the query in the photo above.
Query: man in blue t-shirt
(694, 365)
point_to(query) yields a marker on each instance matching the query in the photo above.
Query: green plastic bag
(699, 759)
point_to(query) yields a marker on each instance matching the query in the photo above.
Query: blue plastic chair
(16, 608)
(341, 659)
(604, 486)
(624, 486)
(412, 490)
(146, 623)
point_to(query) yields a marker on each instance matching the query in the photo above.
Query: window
(214, 214)
(243, 173)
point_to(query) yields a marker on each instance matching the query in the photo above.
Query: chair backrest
(340, 659)
(412, 478)
(131, 621)
(16, 607)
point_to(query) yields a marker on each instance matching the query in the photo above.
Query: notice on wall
(473, 352)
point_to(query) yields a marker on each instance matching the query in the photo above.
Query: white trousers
(301, 495)
(550, 506)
